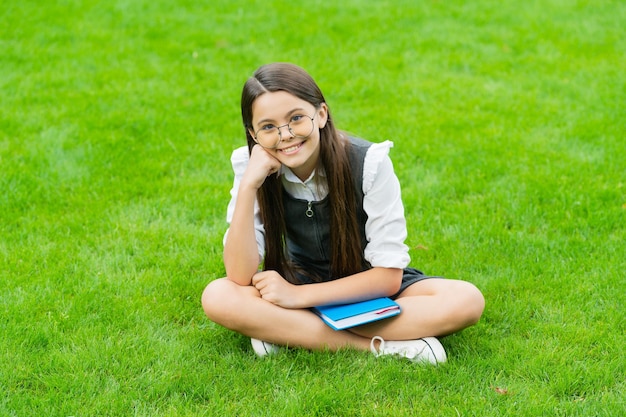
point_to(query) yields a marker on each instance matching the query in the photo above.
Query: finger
(260, 285)
(271, 157)
(257, 278)
(274, 165)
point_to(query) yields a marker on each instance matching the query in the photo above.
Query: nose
(280, 132)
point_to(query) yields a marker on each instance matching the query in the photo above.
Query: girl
(322, 213)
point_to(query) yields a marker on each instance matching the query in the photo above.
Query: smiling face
(273, 109)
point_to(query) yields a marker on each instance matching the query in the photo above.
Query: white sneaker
(426, 350)
(262, 348)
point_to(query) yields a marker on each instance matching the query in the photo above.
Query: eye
(296, 118)
(268, 126)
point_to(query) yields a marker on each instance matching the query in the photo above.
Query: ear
(251, 133)
(322, 115)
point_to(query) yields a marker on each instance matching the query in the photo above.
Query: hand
(275, 289)
(260, 166)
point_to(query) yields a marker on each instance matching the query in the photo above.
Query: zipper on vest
(309, 209)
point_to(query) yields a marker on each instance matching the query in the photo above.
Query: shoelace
(373, 348)
(410, 352)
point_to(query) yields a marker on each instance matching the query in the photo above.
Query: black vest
(308, 223)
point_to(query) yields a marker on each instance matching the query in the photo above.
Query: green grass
(117, 120)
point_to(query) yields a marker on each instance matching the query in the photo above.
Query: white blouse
(385, 228)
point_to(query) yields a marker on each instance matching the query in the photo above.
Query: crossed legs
(432, 307)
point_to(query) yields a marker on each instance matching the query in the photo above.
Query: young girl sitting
(321, 213)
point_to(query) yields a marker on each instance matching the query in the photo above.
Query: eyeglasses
(269, 136)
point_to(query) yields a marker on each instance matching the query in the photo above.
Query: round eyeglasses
(269, 136)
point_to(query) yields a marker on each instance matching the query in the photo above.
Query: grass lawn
(117, 120)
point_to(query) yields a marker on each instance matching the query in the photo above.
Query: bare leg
(432, 307)
(242, 309)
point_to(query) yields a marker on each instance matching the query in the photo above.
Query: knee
(473, 303)
(215, 297)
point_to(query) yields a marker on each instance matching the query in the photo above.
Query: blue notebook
(344, 316)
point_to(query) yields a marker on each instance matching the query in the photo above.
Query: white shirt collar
(315, 188)
(291, 177)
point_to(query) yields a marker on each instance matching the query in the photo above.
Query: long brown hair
(346, 251)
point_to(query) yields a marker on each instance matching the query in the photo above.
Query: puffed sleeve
(239, 161)
(385, 228)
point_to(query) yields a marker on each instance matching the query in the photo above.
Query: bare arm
(376, 282)
(241, 257)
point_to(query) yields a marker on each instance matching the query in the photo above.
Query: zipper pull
(309, 210)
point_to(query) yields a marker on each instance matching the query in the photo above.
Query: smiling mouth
(291, 149)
